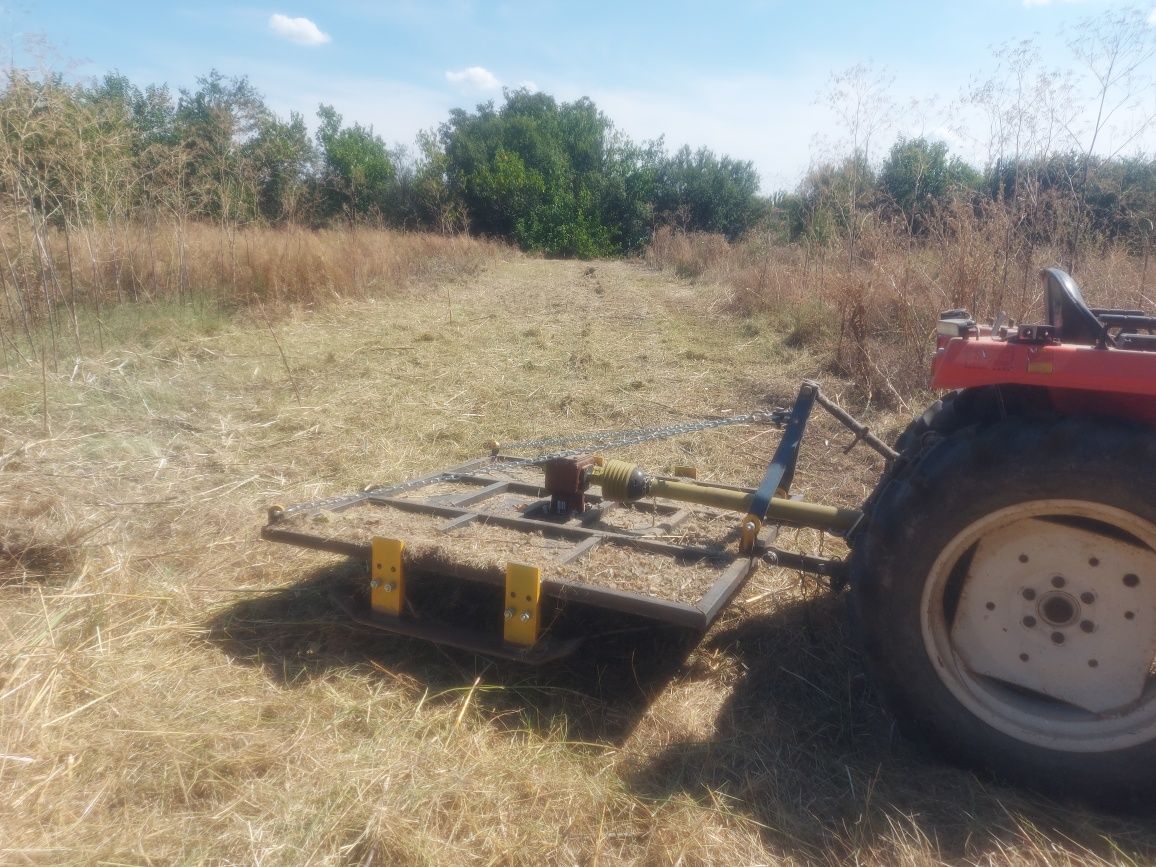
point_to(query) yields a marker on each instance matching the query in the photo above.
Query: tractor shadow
(299, 633)
(803, 747)
(800, 746)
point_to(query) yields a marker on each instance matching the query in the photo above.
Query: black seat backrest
(1067, 310)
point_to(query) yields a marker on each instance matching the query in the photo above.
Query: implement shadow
(803, 747)
(298, 633)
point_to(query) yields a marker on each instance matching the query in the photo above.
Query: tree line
(550, 176)
(1067, 200)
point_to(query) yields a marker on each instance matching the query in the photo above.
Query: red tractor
(1002, 573)
(1004, 576)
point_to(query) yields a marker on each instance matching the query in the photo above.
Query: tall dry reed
(874, 317)
(53, 281)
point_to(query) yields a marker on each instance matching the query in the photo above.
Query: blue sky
(745, 78)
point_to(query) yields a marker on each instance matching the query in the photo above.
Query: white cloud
(474, 78)
(299, 30)
(1152, 17)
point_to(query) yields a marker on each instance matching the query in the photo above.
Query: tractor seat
(1067, 311)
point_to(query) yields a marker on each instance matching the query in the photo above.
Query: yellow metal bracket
(523, 595)
(386, 576)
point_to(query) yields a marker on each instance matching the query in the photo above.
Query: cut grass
(174, 690)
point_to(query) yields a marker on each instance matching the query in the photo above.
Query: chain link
(607, 439)
(619, 438)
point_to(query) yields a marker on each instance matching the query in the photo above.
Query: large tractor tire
(1005, 592)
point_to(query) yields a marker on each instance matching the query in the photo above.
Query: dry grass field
(175, 691)
(872, 317)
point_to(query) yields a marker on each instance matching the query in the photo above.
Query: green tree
(535, 171)
(434, 205)
(830, 202)
(142, 121)
(214, 125)
(630, 183)
(917, 177)
(558, 177)
(280, 156)
(357, 172)
(700, 192)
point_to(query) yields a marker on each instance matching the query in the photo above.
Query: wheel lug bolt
(1029, 593)
(1087, 598)
(1087, 625)
(1058, 637)
(1029, 621)
(1131, 580)
(1058, 581)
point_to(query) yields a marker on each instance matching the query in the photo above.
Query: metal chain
(619, 438)
(604, 439)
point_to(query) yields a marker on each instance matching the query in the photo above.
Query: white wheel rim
(1047, 632)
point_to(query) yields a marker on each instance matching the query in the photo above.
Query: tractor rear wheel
(1005, 590)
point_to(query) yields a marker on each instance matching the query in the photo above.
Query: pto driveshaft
(625, 482)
